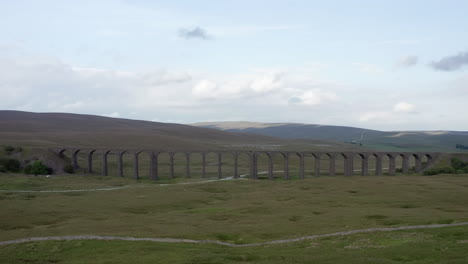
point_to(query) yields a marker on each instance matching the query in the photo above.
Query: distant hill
(63, 129)
(394, 140)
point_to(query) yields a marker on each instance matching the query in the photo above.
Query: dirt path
(132, 186)
(179, 240)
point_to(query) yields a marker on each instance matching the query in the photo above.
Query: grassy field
(237, 211)
(447, 245)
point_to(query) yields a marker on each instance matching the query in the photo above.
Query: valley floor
(238, 212)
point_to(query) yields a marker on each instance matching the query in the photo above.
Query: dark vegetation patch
(376, 217)
(408, 206)
(457, 166)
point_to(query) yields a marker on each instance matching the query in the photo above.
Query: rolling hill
(64, 129)
(391, 140)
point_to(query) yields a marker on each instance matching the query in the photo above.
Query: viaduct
(348, 159)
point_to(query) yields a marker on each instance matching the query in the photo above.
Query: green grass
(242, 211)
(448, 245)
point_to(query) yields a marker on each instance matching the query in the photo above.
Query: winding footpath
(130, 186)
(133, 186)
(216, 242)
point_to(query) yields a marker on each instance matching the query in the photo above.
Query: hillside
(394, 140)
(63, 129)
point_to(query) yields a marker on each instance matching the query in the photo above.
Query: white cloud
(286, 95)
(114, 114)
(408, 61)
(398, 115)
(404, 107)
(205, 89)
(313, 97)
(378, 115)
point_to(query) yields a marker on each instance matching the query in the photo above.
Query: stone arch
(242, 164)
(212, 164)
(309, 164)
(90, 160)
(227, 164)
(348, 163)
(364, 164)
(377, 166)
(263, 165)
(391, 170)
(426, 160)
(317, 163)
(120, 162)
(162, 168)
(178, 164)
(104, 165)
(192, 164)
(142, 164)
(401, 163)
(285, 156)
(66, 154)
(331, 163)
(417, 162)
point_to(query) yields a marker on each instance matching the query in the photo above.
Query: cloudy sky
(390, 65)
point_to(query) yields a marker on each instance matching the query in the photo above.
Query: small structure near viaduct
(347, 157)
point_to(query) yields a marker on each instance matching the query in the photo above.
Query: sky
(387, 65)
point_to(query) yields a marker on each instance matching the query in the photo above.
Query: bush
(37, 168)
(9, 149)
(2, 168)
(12, 165)
(69, 169)
(458, 164)
(431, 172)
(444, 170)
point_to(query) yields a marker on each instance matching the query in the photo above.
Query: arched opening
(309, 165)
(195, 165)
(243, 164)
(109, 163)
(163, 165)
(120, 163)
(143, 164)
(211, 164)
(417, 163)
(372, 162)
(385, 164)
(67, 156)
(426, 161)
(400, 164)
(263, 165)
(329, 162)
(228, 164)
(90, 161)
(341, 163)
(361, 166)
(294, 162)
(179, 159)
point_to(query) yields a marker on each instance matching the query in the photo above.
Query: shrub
(12, 165)
(9, 149)
(435, 171)
(2, 168)
(37, 168)
(458, 164)
(69, 169)
(431, 172)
